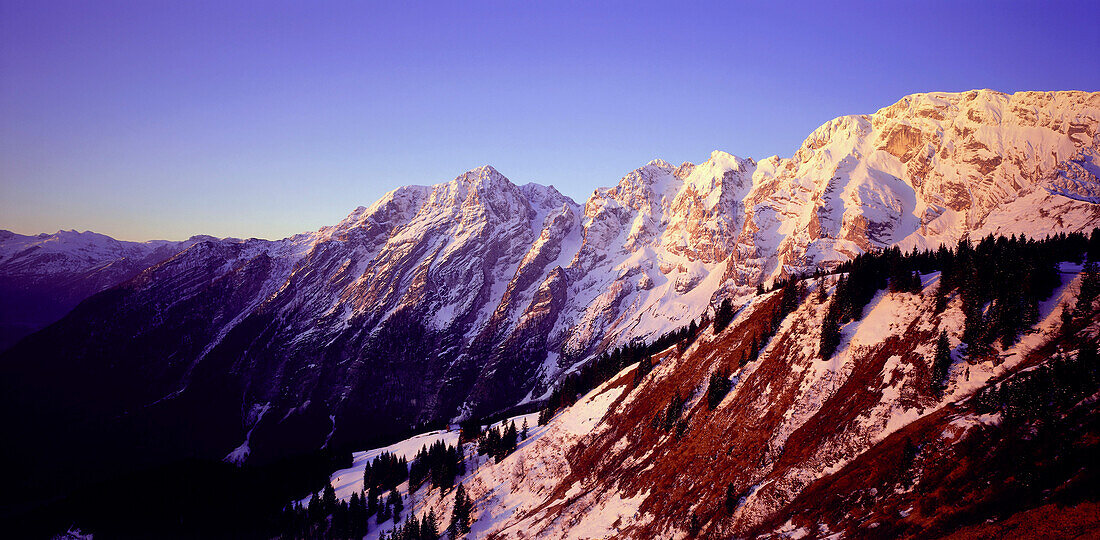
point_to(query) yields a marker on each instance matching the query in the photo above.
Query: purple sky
(162, 120)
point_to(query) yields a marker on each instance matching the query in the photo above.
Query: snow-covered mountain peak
(685, 169)
(90, 247)
(702, 218)
(924, 171)
(717, 166)
(393, 209)
(483, 187)
(73, 235)
(484, 175)
(646, 189)
(840, 131)
(202, 238)
(728, 160)
(977, 150)
(540, 196)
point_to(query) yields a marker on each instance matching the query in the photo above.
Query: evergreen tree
(339, 527)
(460, 515)
(899, 276)
(974, 329)
(717, 389)
(328, 499)
(1090, 289)
(397, 504)
(523, 434)
(731, 498)
(673, 411)
(1088, 360)
(546, 414)
(645, 365)
(830, 332)
(386, 471)
(723, 316)
(941, 364)
(1066, 318)
(358, 515)
(412, 527)
(511, 436)
(384, 511)
(429, 527)
(1031, 312)
(791, 296)
(688, 336)
(316, 509)
(352, 514)
(372, 500)
(941, 295)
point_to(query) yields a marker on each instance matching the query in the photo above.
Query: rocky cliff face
(475, 294)
(925, 171)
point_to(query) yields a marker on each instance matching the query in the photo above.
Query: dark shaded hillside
(190, 498)
(44, 277)
(85, 412)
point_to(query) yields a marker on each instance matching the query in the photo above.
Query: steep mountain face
(43, 277)
(925, 171)
(475, 294)
(858, 444)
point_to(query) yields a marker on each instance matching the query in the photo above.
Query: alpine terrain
(43, 277)
(890, 333)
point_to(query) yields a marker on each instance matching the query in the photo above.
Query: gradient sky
(152, 119)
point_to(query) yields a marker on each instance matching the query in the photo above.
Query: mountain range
(475, 296)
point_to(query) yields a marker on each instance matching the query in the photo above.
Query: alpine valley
(733, 348)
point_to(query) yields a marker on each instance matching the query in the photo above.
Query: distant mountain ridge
(469, 296)
(42, 277)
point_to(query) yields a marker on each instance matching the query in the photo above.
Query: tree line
(438, 464)
(325, 516)
(612, 362)
(1054, 385)
(1000, 282)
(414, 529)
(497, 444)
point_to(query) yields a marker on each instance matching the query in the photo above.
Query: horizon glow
(265, 119)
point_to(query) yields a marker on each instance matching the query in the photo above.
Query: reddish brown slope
(812, 445)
